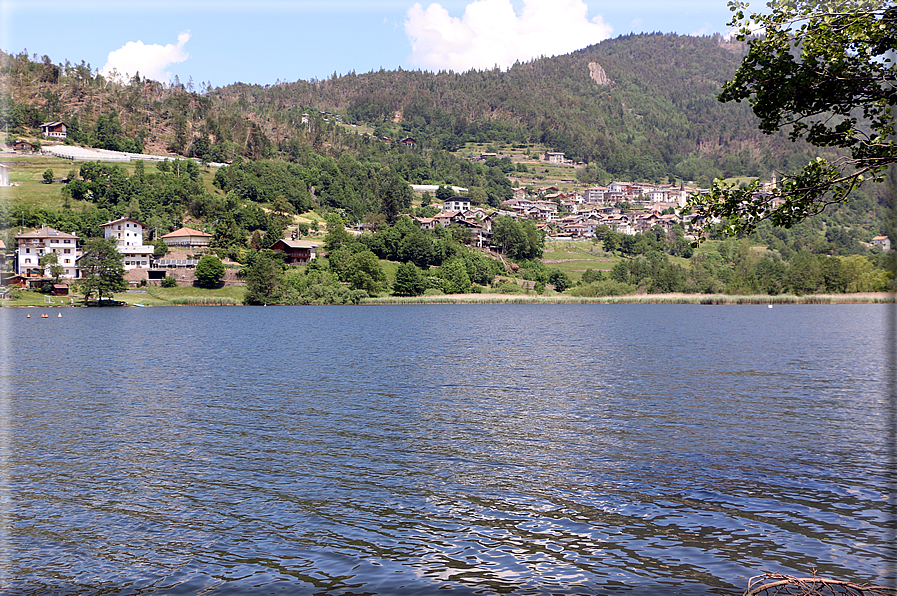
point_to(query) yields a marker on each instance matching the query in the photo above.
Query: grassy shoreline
(190, 298)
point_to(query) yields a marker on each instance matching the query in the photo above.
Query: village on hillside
(626, 208)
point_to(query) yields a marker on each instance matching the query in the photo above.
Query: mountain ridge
(655, 118)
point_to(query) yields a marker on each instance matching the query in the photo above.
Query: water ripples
(408, 450)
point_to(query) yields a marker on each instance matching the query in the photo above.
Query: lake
(469, 449)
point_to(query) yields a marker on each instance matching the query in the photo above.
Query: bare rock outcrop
(598, 75)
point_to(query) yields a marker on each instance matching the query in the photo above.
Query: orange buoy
(27, 316)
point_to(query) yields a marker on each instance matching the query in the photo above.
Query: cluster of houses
(573, 215)
(129, 233)
(33, 246)
(577, 215)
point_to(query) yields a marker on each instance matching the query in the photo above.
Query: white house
(456, 204)
(4, 175)
(129, 233)
(37, 243)
(56, 130)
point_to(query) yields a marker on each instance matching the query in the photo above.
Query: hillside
(638, 107)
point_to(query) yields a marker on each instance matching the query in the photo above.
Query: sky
(219, 42)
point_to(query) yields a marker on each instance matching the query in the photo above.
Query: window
(68, 250)
(27, 261)
(27, 251)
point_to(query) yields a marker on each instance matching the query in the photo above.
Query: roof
(46, 232)
(51, 124)
(186, 232)
(297, 243)
(123, 219)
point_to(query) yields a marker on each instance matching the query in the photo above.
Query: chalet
(446, 218)
(426, 223)
(129, 234)
(479, 234)
(57, 130)
(883, 241)
(37, 243)
(619, 224)
(19, 281)
(473, 214)
(516, 204)
(542, 213)
(645, 222)
(24, 146)
(554, 157)
(187, 238)
(408, 142)
(298, 252)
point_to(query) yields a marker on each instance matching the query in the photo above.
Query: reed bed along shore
(201, 301)
(711, 299)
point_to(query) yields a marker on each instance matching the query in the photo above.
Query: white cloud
(149, 60)
(702, 31)
(491, 33)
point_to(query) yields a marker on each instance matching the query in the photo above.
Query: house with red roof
(187, 238)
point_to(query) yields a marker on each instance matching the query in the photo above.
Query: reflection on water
(476, 449)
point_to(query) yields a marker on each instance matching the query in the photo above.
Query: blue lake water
(471, 449)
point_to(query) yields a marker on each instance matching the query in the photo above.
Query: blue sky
(263, 41)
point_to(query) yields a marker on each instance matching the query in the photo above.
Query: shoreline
(673, 298)
(486, 298)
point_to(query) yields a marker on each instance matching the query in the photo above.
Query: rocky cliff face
(598, 75)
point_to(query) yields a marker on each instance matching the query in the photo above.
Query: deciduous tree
(825, 71)
(409, 281)
(209, 271)
(103, 269)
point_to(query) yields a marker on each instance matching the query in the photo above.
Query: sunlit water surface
(470, 449)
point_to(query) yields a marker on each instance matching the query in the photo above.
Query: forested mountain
(652, 114)
(639, 107)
